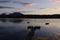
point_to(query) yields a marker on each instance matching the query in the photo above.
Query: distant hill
(15, 15)
(20, 15)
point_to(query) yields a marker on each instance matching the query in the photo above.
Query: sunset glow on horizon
(42, 7)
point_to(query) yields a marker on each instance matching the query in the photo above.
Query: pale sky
(30, 6)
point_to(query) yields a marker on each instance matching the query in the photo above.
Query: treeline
(42, 16)
(20, 15)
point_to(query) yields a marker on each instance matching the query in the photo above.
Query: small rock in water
(46, 23)
(28, 22)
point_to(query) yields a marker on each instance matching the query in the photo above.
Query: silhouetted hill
(11, 15)
(15, 15)
(3, 15)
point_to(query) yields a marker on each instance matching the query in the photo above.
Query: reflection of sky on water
(16, 28)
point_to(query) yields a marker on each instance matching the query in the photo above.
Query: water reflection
(8, 32)
(13, 29)
(16, 21)
(32, 31)
(11, 20)
(11, 34)
(3, 20)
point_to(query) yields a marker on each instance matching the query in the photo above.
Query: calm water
(16, 29)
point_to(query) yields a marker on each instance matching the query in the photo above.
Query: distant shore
(20, 15)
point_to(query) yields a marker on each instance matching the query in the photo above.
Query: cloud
(17, 8)
(3, 7)
(27, 11)
(57, 1)
(54, 2)
(49, 8)
(6, 2)
(55, 8)
(44, 8)
(22, 3)
(28, 4)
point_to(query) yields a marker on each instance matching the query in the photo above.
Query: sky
(38, 7)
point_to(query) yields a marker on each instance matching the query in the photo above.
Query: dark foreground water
(17, 29)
